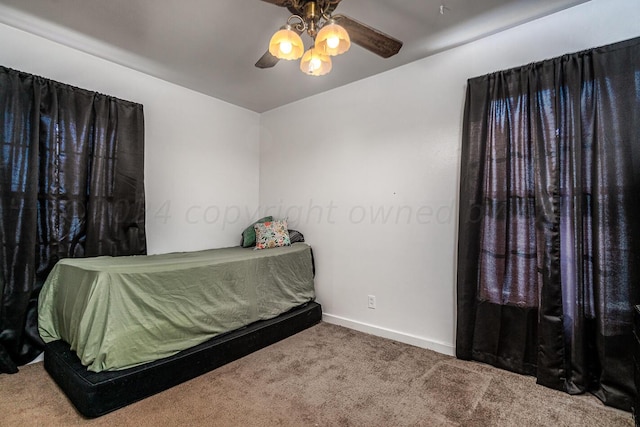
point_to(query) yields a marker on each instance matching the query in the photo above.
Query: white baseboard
(38, 359)
(415, 340)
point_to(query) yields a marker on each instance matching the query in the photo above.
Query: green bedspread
(118, 312)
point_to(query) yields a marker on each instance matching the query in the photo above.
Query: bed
(155, 321)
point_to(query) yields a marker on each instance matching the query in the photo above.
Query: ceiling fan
(332, 35)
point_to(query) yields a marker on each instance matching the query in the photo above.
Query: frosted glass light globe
(286, 44)
(332, 39)
(286, 47)
(333, 42)
(315, 63)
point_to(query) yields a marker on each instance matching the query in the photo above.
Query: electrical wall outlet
(371, 301)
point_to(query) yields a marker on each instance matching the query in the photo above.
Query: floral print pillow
(272, 234)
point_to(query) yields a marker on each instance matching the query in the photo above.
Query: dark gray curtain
(71, 185)
(549, 233)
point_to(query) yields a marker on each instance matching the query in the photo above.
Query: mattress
(120, 312)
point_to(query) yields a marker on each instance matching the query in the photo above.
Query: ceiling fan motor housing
(298, 7)
(311, 17)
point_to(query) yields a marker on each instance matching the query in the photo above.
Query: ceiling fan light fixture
(332, 35)
(315, 63)
(286, 44)
(333, 39)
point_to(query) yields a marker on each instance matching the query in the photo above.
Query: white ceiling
(211, 45)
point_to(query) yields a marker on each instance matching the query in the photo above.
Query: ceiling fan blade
(369, 38)
(267, 60)
(283, 3)
(297, 7)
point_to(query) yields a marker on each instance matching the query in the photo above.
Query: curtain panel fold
(71, 185)
(549, 231)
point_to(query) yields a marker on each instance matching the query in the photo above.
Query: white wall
(201, 154)
(391, 144)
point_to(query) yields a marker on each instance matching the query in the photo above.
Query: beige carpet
(325, 376)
